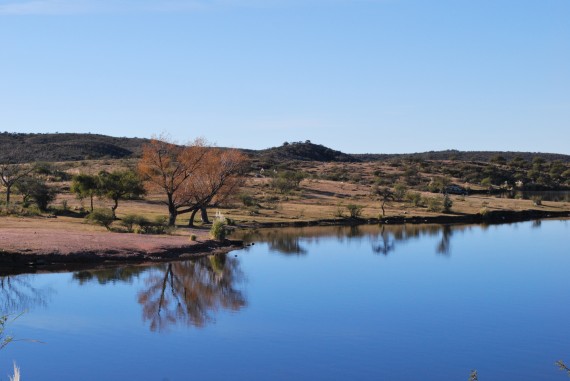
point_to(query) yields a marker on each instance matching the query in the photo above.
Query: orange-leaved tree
(167, 167)
(193, 176)
(217, 178)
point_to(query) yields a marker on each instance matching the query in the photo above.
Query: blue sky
(355, 75)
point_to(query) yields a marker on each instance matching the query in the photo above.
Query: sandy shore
(41, 242)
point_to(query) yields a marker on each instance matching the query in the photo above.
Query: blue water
(398, 303)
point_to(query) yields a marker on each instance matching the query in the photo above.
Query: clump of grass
(218, 230)
(355, 211)
(16, 376)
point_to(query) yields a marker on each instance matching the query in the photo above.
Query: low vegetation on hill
(25, 148)
(294, 182)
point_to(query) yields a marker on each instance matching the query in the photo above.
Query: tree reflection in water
(188, 292)
(384, 238)
(386, 245)
(180, 292)
(17, 294)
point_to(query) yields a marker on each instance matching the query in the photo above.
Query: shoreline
(18, 263)
(492, 217)
(28, 260)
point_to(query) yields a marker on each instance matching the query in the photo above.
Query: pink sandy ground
(65, 236)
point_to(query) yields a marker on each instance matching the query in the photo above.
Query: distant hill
(484, 156)
(18, 147)
(302, 151)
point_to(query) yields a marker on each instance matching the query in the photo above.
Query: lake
(409, 302)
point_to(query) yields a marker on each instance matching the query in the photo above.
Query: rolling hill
(20, 147)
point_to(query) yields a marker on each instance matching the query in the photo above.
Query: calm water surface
(367, 303)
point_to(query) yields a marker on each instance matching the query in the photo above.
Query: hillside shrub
(435, 204)
(355, 211)
(400, 191)
(103, 217)
(415, 198)
(447, 204)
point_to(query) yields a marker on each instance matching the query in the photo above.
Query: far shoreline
(26, 260)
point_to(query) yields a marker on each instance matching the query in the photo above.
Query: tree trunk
(383, 212)
(172, 211)
(91, 204)
(204, 215)
(115, 208)
(8, 190)
(172, 214)
(192, 216)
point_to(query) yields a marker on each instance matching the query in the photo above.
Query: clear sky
(355, 75)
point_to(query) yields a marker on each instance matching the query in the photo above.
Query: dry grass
(316, 199)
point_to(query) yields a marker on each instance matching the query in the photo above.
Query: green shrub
(400, 191)
(415, 198)
(218, 230)
(130, 220)
(287, 181)
(247, 199)
(103, 217)
(355, 211)
(158, 226)
(339, 211)
(435, 204)
(447, 203)
(193, 237)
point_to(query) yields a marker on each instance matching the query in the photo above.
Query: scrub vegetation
(162, 187)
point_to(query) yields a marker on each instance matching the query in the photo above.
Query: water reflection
(18, 294)
(111, 275)
(384, 238)
(386, 244)
(187, 293)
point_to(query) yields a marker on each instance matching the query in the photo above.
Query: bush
(415, 198)
(447, 204)
(355, 211)
(218, 230)
(36, 190)
(193, 237)
(400, 191)
(434, 204)
(130, 220)
(287, 181)
(339, 211)
(103, 217)
(247, 199)
(536, 200)
(158, 226)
